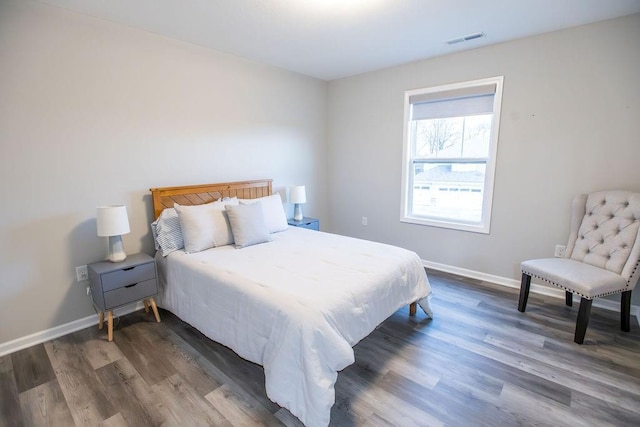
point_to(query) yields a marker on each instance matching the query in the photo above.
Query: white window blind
(453, 103)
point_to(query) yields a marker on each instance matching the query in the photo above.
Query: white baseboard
(58, 331)
(76, 325)
(535, 287)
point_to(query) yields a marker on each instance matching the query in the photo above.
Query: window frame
(408, 160)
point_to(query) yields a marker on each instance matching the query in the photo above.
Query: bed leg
(412, 308)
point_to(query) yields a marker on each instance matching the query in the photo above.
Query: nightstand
(118, 283)
(306, 222)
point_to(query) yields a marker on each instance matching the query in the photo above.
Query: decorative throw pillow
(167, 233)
(198, 225)
(222, 234)
(247, 224)
(273, 211)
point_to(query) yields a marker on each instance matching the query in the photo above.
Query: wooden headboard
(204, 193)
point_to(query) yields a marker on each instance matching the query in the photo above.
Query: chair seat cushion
(580, 278)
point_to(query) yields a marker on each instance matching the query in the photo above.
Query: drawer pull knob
(130, 286)
(128, 268)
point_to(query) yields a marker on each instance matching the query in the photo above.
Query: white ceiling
(330, 39)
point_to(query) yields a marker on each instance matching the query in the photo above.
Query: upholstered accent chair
(601, 258)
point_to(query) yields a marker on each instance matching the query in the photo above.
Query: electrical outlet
(82, 273)
(560, 251)
(364, 220)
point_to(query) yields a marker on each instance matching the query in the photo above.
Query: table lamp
(113, 222)
(297, 196)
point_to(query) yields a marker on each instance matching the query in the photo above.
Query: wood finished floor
(479, 362)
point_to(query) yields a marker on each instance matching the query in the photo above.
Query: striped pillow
(167, 233)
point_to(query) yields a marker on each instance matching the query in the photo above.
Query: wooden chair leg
(625, 311)
(524, 292)
(583, 320)
(412, 308)
(568, 297)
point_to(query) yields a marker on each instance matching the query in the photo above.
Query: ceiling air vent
(466, 38)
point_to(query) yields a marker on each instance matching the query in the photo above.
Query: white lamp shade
(297, 194)
(112, 220)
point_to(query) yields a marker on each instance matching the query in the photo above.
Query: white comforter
(295, 305)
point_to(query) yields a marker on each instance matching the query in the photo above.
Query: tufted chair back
(605, 232)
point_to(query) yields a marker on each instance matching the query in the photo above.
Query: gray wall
(94, 113)
(570, 124)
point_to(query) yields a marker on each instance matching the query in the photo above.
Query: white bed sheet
(295, 305)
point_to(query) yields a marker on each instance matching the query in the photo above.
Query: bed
(295, 304)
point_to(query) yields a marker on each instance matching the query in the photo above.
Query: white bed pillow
(247, 224)
(273, 211)
(205, 226)
(198, 225)
(167, 233)
(222, 234)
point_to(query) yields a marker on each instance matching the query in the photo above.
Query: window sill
(473, 228)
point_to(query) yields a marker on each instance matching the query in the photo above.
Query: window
(450, 145)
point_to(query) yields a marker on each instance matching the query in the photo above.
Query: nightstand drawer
(130, 293)
(306, 222)
(311, 225)
(128, 276)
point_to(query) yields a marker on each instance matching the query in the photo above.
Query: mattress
(295, 305)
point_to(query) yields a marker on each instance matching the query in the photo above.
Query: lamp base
(116, 249)
(297, 212)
